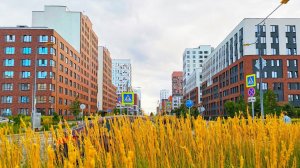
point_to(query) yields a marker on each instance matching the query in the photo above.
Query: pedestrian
(286, 118)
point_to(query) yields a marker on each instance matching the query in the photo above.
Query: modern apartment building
(41, 53)
(193, 87)
(225, 70)
(177, 89)
(164, 94)
(107, 97)
(76, 28)
(137, 100)
(193, 58)
(121, 75)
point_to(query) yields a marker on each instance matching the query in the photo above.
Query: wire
(270, 14)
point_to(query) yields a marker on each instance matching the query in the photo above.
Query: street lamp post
(261, 95)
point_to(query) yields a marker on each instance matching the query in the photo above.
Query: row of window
(274, 28)
(27, 62)
(25, 99)
(25, 111)
(289, 51)
(28, 50)
(194, 57)
(26, 87)
(199, 52)
(28, 38)
(27, 74)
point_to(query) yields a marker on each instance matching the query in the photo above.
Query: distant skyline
(154, 33)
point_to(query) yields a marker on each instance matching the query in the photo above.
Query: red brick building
(230, 83)
(62, 73)
(107, 97)
(177, 80)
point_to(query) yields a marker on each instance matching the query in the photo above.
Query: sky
(154, 33)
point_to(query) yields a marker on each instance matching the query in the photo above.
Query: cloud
(154, 33)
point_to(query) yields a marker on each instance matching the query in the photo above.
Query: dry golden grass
(165, 142)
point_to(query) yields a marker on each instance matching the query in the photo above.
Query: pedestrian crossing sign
(127, 98)
(250, 80)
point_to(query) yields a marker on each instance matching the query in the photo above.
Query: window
(53, 39)
(10, 38)
(25, 62)
(265, 74)
(290, 98)
(43, 38)
(6, 99)
(205, 52)
(8, 74)
(62, 46)
(52, 75)
(52, 63)
(61, 67)
(42, 86)
(25, 74)
(294, 40)
(274, 74)
(288, 63)
(43, 50)
(296, 74)
(273, 28)
(27, 38)
(6, 112)
(42, 62)
(23, 99)
(52, 87)
(62, 57)
(53, 51)
(42, 74)
(295, 51)
(274, 51)
(9, 50)
(290, 28)
(26, 50)
(278, 62)
(24, 111)
(290, 74)
(7, 86)
(272, 62)
(263, 39)
(24, 86)
(67, 60)
(41, 99)
(51, 99)
(257, 74)
(289, 51)
(8, 62)
(295, 63)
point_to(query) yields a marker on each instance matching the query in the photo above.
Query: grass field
(163, 142)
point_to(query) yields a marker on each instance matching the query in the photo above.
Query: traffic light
(284, 1)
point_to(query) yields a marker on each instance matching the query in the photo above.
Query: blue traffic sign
(251, 92)
(250, 80)
(189, 103)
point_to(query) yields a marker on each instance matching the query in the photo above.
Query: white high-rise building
(193, 58)
(121, 75)
(66, 23)
(164, 94)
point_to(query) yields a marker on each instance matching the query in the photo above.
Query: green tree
(270, 102)
(75, 107)
(116, 111)
(289, 108)
(55, 118)
(230, 108)
(241, 105)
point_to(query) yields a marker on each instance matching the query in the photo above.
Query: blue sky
(154, 33)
